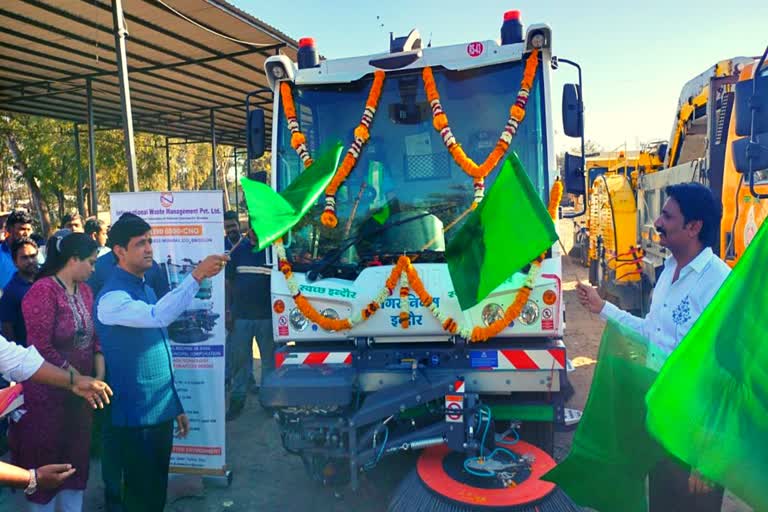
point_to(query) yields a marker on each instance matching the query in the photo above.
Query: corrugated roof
(179, 69)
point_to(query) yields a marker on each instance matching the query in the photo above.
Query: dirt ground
(265, 478)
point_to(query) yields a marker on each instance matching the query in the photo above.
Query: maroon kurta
(56, 429)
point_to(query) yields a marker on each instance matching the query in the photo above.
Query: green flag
(272, 214)
(709, 405)
(509, 229)
(612, 452)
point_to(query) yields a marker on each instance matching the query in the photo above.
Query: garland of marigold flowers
(361, 136)
(405, 274)
(516, 115)
(298, 139)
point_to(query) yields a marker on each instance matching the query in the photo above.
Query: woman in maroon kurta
(56, 427)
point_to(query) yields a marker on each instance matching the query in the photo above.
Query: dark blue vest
(138, 360)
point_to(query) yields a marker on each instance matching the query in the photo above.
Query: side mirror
(574, 175)
(747, 99)
(255, 133)
(743, 151)
(573, 111)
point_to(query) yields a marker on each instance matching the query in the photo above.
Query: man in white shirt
(689, 226)
(18, 363)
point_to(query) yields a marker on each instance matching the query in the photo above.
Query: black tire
(540, 434)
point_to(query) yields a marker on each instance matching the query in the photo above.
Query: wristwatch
(32, 487)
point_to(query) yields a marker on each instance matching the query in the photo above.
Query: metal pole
(213, 145)
(91, 149)
(80, 200)
(168, 163)
(237, 195)
(125, 93)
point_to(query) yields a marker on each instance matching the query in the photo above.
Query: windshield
(406, 194)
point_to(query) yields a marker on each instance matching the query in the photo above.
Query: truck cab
(406, 195)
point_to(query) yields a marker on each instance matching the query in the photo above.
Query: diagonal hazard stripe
(316, 358)
(520, 360)
(559, 355)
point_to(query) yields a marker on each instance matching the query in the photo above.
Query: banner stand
(187, 227)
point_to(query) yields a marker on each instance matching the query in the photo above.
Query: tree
(38, 154)
(41, 159)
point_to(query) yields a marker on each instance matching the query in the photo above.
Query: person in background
(26, 364)
(56, 427)
(72, 222)
(97, 229)
(40, 241)
(248, 284)
(24, 252)
(688, 226)
(17, 225)
(231, 229)
(132, 324)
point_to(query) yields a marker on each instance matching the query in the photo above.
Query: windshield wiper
(317, 268)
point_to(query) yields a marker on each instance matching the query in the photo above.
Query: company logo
(475, 49)
(166, 199)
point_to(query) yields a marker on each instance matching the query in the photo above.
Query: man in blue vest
(131, 324)
(156, 279)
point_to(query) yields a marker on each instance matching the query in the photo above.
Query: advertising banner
(187, 227)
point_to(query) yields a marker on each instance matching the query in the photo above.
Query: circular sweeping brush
(440, 483)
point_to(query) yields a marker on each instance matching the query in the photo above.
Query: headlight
(491, 313)
(330, 313)
(530, 313)
(298, 321)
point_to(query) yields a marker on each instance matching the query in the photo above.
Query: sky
(635, 56)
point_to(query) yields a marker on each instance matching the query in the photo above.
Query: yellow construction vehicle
(745, 178)
(713, 150)
(607, 232)
(624, 254)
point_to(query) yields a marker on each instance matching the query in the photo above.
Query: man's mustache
(661, 231)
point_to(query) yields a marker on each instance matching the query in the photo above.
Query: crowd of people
(92, 320)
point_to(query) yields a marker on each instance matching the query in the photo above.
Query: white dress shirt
(675, 306)
(18, 363)
(119, 308)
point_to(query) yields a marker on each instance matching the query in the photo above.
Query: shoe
(235, 409)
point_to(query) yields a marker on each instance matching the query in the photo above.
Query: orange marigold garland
(555, 196)
(336, 324)
(298, 140)
(405, 312)
(362, 134)
(516, 115)
(405, 274)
